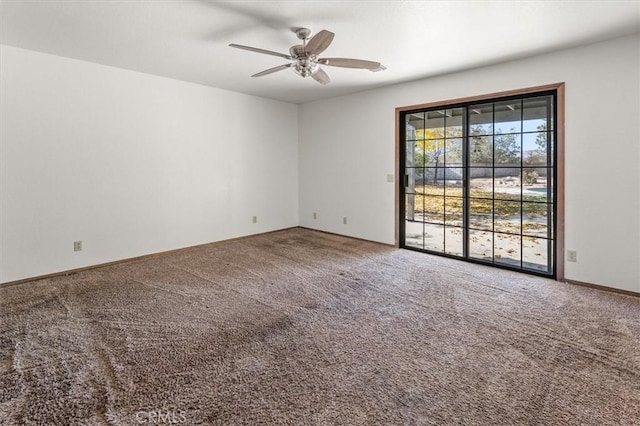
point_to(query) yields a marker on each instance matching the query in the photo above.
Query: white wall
(347, 149)
(132, 164)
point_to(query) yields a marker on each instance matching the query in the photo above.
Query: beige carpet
(304, 328)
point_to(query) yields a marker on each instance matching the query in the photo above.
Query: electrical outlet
(255, 219)
(77, 246)
(344, 220)
(315, 215)
(572, 256)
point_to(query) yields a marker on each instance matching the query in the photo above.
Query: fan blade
(321, 77)
(272, 70)
(257, 50)
(319, 42)
(349, 63)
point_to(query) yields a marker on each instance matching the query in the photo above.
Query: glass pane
(454, 180)
(413, 122)
(453, 122)
(535, 219)
(434, 237)
(535, 186)
(481, 119)
(434, 125)
(537, 114)
(453, 240)
(433, 209)
(535, 254)
(434, 152)
(506, 249)
(508, 117)
(432, 182)
(481, 182)
(546, 178)
(534, 149)
(453, 152)
(454, 211)
(415, 154)
(413, 207)
(415, 179)
(414, 234)
(454, 188)
(535, 192)
(481, 214)
(412, 176)
(507, 150)
(481, 245)
(481, 151)
(507, 217)
(506, 185)
(551, 149)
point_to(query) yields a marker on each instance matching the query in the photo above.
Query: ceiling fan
(305, 57)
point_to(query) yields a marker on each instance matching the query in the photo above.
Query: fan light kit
(305, 57)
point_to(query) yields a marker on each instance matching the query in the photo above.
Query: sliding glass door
(479, 181)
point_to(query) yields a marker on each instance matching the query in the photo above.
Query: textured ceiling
(188, 39)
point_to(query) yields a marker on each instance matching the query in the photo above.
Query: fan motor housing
(297, 51)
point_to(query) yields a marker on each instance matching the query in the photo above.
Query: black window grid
(523, 201)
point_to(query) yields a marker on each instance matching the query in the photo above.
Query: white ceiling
(188, 39)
